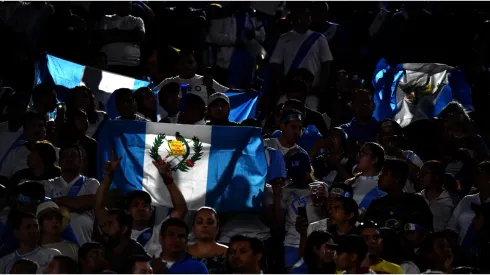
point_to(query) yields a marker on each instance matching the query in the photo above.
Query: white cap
(51, 205)
(212, 98)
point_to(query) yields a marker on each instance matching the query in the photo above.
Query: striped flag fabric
(217, 166)
(414, 91)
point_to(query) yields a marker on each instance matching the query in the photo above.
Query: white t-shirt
(122, 53)
(274, 143)
(41, 255)
(82, 224)
(289, 44)
(321, 225)
(195, 86)
(463, 216)
(66, 248)
(153, 247)
(292, 199)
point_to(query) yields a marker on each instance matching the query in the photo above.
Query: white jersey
(365, 190)
(274, 143)
(41, 255)
(83, 223)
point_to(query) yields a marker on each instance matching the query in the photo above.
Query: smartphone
(302, 212)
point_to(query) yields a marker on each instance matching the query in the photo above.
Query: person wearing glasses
(369, 231)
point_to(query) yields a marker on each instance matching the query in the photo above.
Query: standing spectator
(394, 209)
(74, 191)
(26, 231)
(245, 254)
(169, 101)
(370, 233)
(120, 36)
(301, 48)
(291, 130)
(126, 105)
(219, 110)
(44, 99)
(195, 110)
(431, 179)
(239, 36)
(146, 103)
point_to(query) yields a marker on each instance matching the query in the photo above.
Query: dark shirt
(361, 133)
(395, 212)
(315, 118)
(116, 262)
(227, 123)
(26, 174)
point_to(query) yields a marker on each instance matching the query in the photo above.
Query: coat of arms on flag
(179, 151)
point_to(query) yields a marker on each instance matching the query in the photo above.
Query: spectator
(75, 192)
(126, 105)
(431, 179)
(198, 84)
(351, 251)
(318, 257)
(169, 100)
(44, 99)
(91, 258)
(16, 113)
(394, 209)
(138, 264)
(238, 36)
(146, 103)
(244, 255)
(206, 249)
(436, 254)
(120, 36)
(291, 127)
(370, 233)
(219, 110)
(16, 160)
(52, 221)
(62, 265)
(174, 259)
(82, 97)
(41, 162)
(26, 231)
(195, 110)
(362, 127)
(370, 161)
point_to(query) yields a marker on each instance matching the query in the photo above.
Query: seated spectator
(369, 231)
(16, 160)
(62, 265)
(198, 84)
(432, 177)
(195, 110)
(291, 127)
(362, 128)
(120, 36)
(390, 137)
(146, 103)
(26, 231)
(393, 251)
(413, 236)
(351, 251)
(24, 266)
(370, 161)
(436, 255)
(138, 264)
(219, 110)
(52, 221)
(91, 258)
(41, 162)
(174, 258)
(244, 255)
(394, 209)
(206, 249)
(333, 164)
(169, 100)
(126, 105)
(318, 257)
(82, 97)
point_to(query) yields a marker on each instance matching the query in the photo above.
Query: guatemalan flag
(217, 166)
(414, 91)
(66, 75)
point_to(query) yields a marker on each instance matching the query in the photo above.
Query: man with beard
(117, 241)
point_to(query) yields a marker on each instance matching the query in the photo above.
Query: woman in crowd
(82, 97)
(205, 228)
(318, 257)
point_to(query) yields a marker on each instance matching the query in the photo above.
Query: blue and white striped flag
(413, 91)
(216, 166)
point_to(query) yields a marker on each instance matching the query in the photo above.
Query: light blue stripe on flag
(413, 91)
(229, 174)
(243, 105)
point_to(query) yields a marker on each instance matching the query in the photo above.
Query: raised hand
(164, 170)
(112, 165)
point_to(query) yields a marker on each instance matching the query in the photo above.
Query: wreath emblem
(180, 150)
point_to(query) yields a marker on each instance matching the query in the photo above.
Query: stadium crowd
(344, 192)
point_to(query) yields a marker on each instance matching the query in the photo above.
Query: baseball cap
(298, 164)
(352, 244)
(339, 132)
(48, 206)
(341, 190)
(212, 98)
